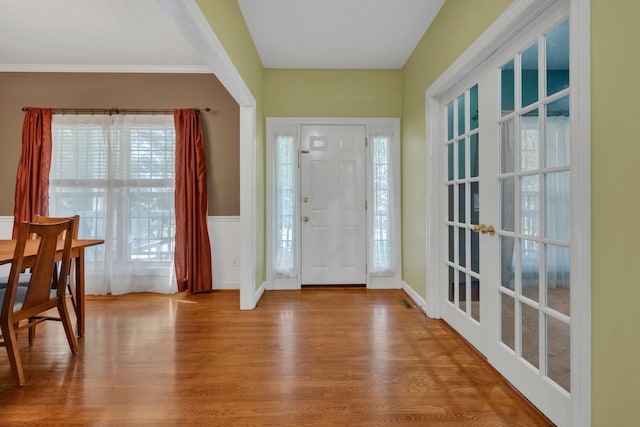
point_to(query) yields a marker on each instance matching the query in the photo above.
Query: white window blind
(118, 173)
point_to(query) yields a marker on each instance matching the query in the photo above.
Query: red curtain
(32, 181)
(192, 255)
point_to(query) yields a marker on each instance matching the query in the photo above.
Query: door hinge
(365, 205)
(366, 142)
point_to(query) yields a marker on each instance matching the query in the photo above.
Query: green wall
(227, 22)
(615, 205)
(332, 93)
(457, 25)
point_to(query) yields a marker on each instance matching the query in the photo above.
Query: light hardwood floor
(349, 357)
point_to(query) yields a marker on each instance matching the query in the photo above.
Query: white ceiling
(337, 33)
(128, 35)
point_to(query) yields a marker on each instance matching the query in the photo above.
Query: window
(118, 173)
(382, 204)
(285, 201)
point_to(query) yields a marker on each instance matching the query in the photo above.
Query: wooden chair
(41, 219)
(20, 303)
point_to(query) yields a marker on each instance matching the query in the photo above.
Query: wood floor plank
(315, 357)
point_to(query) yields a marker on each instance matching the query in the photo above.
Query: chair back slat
(41, 219)
(42, 271)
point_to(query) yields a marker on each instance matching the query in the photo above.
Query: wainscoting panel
(6, 225)
(224, 235)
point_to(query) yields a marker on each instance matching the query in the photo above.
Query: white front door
(332, 206)
(506, 258)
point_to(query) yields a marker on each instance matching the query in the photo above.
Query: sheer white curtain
(381, 232)
(118, 173)
(556, 192)
(284, 259)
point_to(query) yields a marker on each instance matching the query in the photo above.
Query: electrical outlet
(234, 262)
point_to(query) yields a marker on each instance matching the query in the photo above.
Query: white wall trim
(580, 105)
(189, 18)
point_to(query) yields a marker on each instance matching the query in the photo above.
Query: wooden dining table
(78, 246)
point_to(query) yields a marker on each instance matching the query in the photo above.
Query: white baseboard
(261, 290)
(420, 302)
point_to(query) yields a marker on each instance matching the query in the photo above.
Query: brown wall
(99, 90)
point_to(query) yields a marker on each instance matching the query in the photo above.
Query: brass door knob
(305, 218)
(484, 229)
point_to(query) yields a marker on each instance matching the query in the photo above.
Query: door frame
(292, 126)
(515, 18)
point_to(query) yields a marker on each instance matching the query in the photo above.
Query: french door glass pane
(473, 155)
(507, 321)
(462, 246)
(461, 203)
(475, 203)
(473, 108)
(558, 267)
(475, 252)
(558, 207)
(463, 289)
(556, 133)
(530, 266)
(559, 352)
(557, 58)
(450, 121)
(507, 262)
(507, 146)
(461, 159)
(529, 141)
(452, 243)
(507, 97)
(451, 189)
(450, 148)
(529, 75)
(507, 198)
(461, 116)
(452, 284)
(475, 298)
(530, 334)
(530, 205)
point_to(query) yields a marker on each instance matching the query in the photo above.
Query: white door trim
(516, 17)
(372, 125)
(187, 15)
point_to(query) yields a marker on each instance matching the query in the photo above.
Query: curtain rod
(115, 110)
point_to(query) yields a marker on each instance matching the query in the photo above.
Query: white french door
(332, 190)
(505, 179)
(461, 154)
(531, 276)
